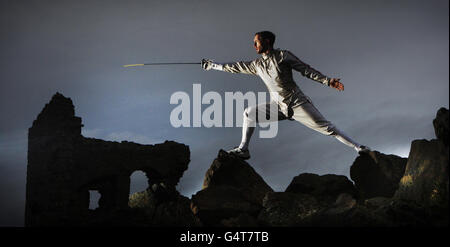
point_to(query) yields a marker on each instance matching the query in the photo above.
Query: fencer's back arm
(304, 69)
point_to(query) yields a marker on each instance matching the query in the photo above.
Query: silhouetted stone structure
(63, 166)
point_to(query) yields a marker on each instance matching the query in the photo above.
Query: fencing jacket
(275, 69)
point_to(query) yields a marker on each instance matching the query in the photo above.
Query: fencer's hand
(207, 64)
(335, 83)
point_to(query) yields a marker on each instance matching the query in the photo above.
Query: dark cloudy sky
(392, 57)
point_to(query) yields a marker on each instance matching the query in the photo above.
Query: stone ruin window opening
(94, 198)
(138, 182)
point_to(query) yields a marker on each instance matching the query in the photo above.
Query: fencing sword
(145, 64)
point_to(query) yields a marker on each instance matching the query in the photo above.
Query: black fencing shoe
(243, 154)
(363, 149)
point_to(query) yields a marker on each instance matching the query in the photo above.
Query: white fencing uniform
(275, 69)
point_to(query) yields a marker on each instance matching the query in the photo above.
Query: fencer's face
(259, 45)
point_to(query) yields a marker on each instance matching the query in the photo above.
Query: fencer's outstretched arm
(311, 73)
(238, 67)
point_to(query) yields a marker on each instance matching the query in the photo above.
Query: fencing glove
(208, 65)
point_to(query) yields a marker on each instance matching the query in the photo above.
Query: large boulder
(376, 174)
(325, 188)
(228, 170)
(441, 125)
(231, 187)
(425, 180)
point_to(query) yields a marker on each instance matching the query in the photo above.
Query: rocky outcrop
(388, 191)
(63, 166)
(425, 183)
(326, 187)
(425, 180)
(228, 170)
(441, 126)
(231, 188)
(377, 174)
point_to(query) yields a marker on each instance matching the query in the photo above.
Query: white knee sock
(247, 133)
(342, 137)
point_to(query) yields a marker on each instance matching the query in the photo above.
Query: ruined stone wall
(63, 166)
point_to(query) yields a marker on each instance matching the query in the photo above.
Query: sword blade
(145, 64)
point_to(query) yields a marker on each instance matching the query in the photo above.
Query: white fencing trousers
(306, 113)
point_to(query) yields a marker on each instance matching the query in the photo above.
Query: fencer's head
(263, 41)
